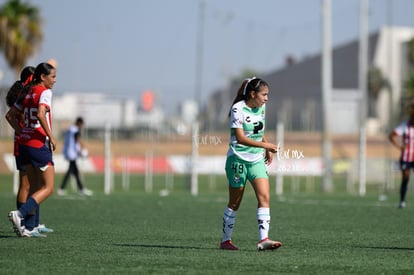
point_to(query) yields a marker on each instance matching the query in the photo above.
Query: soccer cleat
(16, 219)
(41, 228)
(267, 244)
(32, 234)
(228, 245)
(86, 192)
(17, 231)
(401, 204)
(60, 192)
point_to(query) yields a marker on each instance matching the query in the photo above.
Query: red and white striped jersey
(406, 131)
(33, 134)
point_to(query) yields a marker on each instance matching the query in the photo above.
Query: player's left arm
(268, 154)
(394, 139)
(12, 117)
(41, 116)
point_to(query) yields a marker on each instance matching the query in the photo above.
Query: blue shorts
(405, 165)
(19, 164)
(38, 157)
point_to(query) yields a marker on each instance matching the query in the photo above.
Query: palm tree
(20, 32)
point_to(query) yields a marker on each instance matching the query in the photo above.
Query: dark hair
(42, 68)
(18, 86)
(79, 120)
(27, 73)
(248, 85)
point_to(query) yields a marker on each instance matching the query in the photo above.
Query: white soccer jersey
(252, 121)
(71, 146)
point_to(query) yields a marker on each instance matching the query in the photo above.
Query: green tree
(20, 32)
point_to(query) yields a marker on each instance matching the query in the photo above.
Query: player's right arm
(41, 116)
(395, 140)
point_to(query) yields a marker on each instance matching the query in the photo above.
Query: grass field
(144, 233)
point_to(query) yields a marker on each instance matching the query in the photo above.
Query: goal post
(108, 181)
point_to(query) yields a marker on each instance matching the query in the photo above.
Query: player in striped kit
(402, 137)
(26, 76)
(36, 146)
(249, 152)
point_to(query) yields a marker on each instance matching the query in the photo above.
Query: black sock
(403, 189)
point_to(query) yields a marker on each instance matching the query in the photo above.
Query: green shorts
(239, 171)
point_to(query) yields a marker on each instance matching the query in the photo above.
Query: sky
(125, 47)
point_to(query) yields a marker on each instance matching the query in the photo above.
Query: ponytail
(248, 85)
(23, 92)
(16, 91)
(241, 94)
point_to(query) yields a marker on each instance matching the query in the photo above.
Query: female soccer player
(402, 137)
(11, 97)
(13, 94)
(249, 152)
(36, 144)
